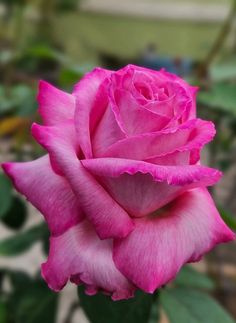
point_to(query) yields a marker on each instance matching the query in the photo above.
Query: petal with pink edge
(108, 217)
(90, 106)
(192, 135)
(141, 188)
(189, 152)
(79, 255)
(55, 106)
(161, 244)
(50, 193)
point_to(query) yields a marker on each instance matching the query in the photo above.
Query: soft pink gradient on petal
(192, 135)
(79, 255)
(176, 158)
(141, 187)
(50, 193)
(55, 106)
(188, 153)
(109, 219)
(132, 118)
(86, 92)
(107, 133)
(161, 244)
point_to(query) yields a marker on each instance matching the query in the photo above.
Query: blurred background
(60, 40)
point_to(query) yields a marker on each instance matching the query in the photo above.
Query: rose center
(144, 91)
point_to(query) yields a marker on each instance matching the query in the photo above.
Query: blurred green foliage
(29, 300)
(5, 195)
(100, 308)
(186, 305)
(221, 96)
(23, 241)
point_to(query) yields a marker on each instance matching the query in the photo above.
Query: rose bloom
(122, 188)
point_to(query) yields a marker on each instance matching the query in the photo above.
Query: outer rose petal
(160, 245)
(50, 193)
(190, 136)
(86, 91)
(55, 106)
(109, 219)
(141, 187)
(81, 256)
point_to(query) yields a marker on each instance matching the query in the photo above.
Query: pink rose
(122, 188)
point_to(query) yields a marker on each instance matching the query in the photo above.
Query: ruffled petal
(190, 136)
(109, 219)
(141, 188)
(90, 106)
(79, 255)
(50, 193)
(55, 106)
(161, 244)
(188, 153)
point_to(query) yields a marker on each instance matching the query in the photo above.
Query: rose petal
(192, 135)
(108, 218)
(160, 245)
(141, 188)
(133, 118)
(178, 104)
(160, 79)
(55, 106)
(86, 92)
(177, 158)
(191, 91)
(107, 133)
(50, 193)
(188, 153)
(79, 255)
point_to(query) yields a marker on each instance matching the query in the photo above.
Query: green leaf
(229, 219)
(184, 305)
(21, 242)
(16, 215)
(3, 312)
(221, 96)
(33, 302)
(189, 277)
(101, 309)
(5, 194)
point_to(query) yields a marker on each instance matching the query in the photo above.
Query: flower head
(122, 188)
